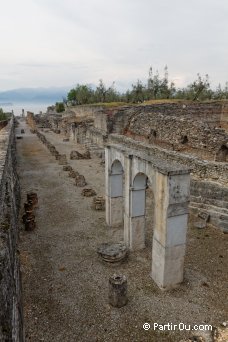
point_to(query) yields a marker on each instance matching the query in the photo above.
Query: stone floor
(65, 284)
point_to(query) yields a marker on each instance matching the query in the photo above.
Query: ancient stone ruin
(158, 170)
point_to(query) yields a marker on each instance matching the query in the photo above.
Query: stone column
(171, 216)
(127, 199)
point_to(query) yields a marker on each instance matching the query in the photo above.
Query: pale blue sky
(64, 42)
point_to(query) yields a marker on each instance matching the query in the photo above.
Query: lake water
(31, 107)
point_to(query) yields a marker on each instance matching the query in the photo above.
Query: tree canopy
(156, 87)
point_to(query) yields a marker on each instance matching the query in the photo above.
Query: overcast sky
(64, 42)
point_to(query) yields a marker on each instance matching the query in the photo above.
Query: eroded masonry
(176, 151)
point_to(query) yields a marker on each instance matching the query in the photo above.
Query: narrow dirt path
(65, 285)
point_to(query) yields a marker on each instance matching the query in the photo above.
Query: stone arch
(116, 167)
(114, 196)
(139, 194)
(116, 184)
(170, 184)
(139, 210)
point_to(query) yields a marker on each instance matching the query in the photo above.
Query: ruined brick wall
(88, 111)
(96, 136)
(30, 119)
(178, 133)
(195, 128)
(11, 318)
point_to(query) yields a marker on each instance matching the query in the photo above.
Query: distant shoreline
(6, 104)
(33, 107)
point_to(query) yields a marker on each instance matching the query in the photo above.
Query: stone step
(218, 216)
(220, 203)
(214, 209)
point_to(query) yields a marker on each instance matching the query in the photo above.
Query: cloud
(48, 42)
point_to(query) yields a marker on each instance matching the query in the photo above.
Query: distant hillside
(34, 95)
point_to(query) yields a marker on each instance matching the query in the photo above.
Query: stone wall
(30, 119)
(88, 111)
(195, 128)
(212, 199)
(11, 318)
(200, 168)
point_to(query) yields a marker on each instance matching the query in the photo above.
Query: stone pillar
(169, 239)
(127, 199)
(114, 190)
(118, 290)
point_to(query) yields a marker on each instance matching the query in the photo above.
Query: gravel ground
(65, 285)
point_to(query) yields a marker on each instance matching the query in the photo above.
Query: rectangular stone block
(179, 188)
(137, 233)
(167, 265)
(176, 230)
(114, 210)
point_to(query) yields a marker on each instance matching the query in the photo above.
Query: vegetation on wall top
(156, 88)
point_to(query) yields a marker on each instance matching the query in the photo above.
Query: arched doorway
(138, 208)
(114, 197)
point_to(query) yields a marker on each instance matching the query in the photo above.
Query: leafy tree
(138, 92)
(198, 90)
(219, 93)
(59, 107)
(225, 91)
(112, 95)
(157, 87)
(3, 116)
(100, 93)
(153, 85)
(84, 94)
(71, 96)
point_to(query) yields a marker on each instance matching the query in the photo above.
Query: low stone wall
(11, 318)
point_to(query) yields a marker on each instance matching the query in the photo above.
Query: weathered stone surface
(88, 192)
(28, 206)
(11, 320)
(118, 290)
(75, 155)
(67, 168)
(62, 159)
(32, 197)
(98, 203)
(30, 224)
(112, 252)
(80, 181)
(73, 174)
(200, 224)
